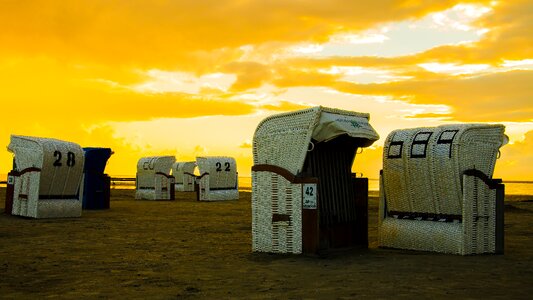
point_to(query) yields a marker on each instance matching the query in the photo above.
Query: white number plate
(309, 196)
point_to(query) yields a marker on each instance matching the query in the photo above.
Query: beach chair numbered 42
(304, 195)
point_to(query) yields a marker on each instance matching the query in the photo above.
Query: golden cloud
(173, 33)
(515, 161)
(495, 97)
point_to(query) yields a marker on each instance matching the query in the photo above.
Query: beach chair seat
(96, 187)
(218, 179)
(184, 177)
(437, 192)
(305, 197)
(153, 180)
(46, 177)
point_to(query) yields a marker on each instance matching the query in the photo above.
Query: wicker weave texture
(222, 171)
(218, 178)
(474, 235)
(422, 167)
(423, 173)
(184, 182)
(283, 140)
(273, 194)
(153, 180)
(50, 190)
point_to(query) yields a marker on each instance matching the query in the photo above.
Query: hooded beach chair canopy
(48, 176)
(441, 173)
(283, 140)
(153, 180)
(293, 152)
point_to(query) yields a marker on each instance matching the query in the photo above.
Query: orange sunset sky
(189, 78)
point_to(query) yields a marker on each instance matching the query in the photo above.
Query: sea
(511, 187)
(245, 183)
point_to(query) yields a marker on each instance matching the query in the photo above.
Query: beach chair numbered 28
(184, 177)
(153, 180)
(46, 177)
(437, 192)
(96, 187)
(218, 178)
(304, 195)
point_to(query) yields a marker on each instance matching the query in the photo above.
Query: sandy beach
(189, 249)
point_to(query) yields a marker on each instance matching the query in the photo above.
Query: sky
(191, 78)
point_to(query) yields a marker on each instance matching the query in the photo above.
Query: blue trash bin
(96, 184)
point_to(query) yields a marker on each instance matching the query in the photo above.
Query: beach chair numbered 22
(437, 192)
(218, 178)
(153, 180)
(46, 177)
(304, 195)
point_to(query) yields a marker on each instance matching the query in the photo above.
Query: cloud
(495, 97)
(283, 106)
(515, 161)
(249, 74)
(174, 33)
(246, 145)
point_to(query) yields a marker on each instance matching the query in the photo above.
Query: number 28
(71, 159)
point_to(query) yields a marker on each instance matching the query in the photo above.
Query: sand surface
(188, 249)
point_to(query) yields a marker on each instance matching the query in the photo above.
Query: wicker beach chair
(153, 180)
(218, 178)
(184, 177)
(96, 187)
(304, 195)
(437, 192)
(46, 177)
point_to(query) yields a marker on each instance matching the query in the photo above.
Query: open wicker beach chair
(437, 192)
(153, 180)
(304, 195)
(218, 178)
(184, 177)
(95, 190)
(46, 177)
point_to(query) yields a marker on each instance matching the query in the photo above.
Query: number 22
(219, 166)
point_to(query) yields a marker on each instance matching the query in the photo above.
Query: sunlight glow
(454, 69)
(165, 81)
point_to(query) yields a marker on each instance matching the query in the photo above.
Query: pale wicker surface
(434, 184)
(218, 178)
(149, 184)
(61, 169)
(184, 182)
(273, 194)
(283, 140)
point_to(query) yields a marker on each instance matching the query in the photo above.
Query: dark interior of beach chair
(342, 198)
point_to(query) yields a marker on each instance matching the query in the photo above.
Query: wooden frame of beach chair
(184, 177)
(46, 177)
(437, 193)
(304, 195)
(218, 178)
(153, 179)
